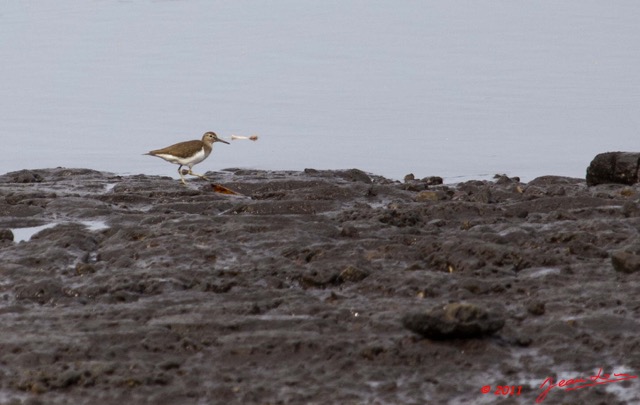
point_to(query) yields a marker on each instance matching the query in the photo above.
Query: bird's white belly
(188, 161)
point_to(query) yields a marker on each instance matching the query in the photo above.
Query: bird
(188, 153)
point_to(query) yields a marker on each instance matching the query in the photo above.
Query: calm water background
(460, 89)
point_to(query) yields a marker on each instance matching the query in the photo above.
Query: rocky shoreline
(315, 287)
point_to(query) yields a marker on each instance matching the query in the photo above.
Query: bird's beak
(220, 140)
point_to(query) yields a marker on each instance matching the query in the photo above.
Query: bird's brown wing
(182, 149)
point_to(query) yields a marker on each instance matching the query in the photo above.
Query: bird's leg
(181, 176)
(196, 174)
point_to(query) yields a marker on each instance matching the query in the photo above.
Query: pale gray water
(452, 88)
(25, 234)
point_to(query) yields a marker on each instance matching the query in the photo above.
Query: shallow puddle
(25, 234)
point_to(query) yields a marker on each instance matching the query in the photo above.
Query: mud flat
(315, 287)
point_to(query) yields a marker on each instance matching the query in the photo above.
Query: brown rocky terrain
(316, 287)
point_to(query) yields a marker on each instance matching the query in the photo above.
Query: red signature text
(578, 383)
(502, 390)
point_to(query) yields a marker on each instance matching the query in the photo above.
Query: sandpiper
(188, 153)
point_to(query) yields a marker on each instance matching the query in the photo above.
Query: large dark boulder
(456, 320)
(614, 167)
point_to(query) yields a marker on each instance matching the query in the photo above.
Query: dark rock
(503, 179)
(45, 291)
(484, 196)
(67, 379)
(409, 177)
(631, 209)
(432, 181)
(402, 217)
(536, 308)
(24, 176)
(349, 231)
(84, 268)
(523, 341)
(282, 208)
(414, 186)
(546, 181)
(454, 321)
(614, 167)
(19, 210)
(352, 274)
(430, 196)
(6, 234)
(625, 262)
(319, 279)
(355, 175)
(169, 365)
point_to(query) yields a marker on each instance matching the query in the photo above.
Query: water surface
(460, 89)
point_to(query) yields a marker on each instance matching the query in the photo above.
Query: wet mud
(315, 287)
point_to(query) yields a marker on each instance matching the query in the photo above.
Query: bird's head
(211, 137)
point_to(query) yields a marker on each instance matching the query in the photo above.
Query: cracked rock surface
(137, 289)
